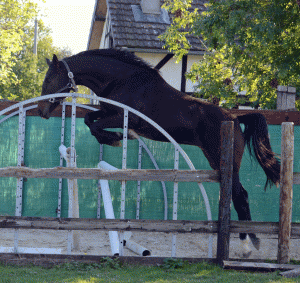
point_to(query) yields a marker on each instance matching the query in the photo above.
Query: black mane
(121, 55)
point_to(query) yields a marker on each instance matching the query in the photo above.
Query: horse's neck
(97, 72)
(92, 83)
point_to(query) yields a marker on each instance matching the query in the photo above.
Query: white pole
(73, 236)
(108, 208)
(138, 249)
(109, 214)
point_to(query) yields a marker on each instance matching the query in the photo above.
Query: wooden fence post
(286, 191)
(286, 98)
(226, 169)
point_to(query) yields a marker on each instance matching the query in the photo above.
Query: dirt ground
(159, 244)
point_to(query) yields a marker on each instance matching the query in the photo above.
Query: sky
(70, 22)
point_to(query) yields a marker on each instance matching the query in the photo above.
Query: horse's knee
(87, 119)
(93, 129)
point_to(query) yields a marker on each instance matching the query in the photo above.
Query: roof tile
(127, 32)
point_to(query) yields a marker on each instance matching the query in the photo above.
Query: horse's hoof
(256, 242)
(116, 144)
(132, 135)
(247, 254)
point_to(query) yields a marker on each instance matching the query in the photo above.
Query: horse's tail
(256, 129)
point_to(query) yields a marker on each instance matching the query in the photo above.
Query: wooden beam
(226, 169)
(127, 175)
(291, 273)
(273, 117)
(50, 260)
(183, 72)
(166, 226)
(164, 61)
(286, 192)
(257, 266)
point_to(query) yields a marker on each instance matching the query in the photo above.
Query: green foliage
(105, 262)
(111, 262)
(78, 266)
(15, 16)
(250, 46)
(21, 72)
(202, 272)
(173, 263)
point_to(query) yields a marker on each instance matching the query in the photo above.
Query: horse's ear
(48, 62)
(55, 60)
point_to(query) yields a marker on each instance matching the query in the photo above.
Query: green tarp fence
(40, 196)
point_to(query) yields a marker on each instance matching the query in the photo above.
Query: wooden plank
(48, 260)
(291, 273)
(226, 169)
(128, 174)
(271, 228)
(273, 117)
(286, 192)
(257, 266)
(167, 226)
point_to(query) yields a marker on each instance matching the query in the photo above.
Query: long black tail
(256, 130)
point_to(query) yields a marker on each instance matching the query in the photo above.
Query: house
(136, 25)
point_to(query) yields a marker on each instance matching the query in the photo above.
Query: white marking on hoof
(246, 251)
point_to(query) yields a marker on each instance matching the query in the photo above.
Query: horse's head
(58, 79)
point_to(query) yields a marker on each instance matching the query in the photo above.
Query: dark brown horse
(123, 77)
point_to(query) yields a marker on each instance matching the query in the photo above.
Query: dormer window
(151, 7)
(150, 11)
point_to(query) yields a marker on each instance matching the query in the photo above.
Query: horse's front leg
(91, 117)
(97, 122)
(104, 121)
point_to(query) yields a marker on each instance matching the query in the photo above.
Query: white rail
(126, 110)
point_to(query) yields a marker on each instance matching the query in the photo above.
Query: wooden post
(286, 191)
(286, 98)
(226, 170)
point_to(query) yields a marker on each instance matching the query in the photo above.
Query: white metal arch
(142, 145)
(127, 109)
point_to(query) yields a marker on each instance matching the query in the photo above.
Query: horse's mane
(120, 55)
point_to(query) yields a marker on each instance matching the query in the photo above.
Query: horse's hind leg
(241, 205)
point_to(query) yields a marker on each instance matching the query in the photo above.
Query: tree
(27, 70)
(14, 17)
(251, 46)
(22, 73)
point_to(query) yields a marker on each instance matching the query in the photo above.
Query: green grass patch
(111, 270)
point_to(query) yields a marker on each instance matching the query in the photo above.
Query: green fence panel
(40, 196)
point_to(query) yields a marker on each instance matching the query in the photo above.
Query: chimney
(150, 6)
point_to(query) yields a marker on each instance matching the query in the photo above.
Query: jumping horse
(123, 77)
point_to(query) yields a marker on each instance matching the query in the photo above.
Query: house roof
(131, 30)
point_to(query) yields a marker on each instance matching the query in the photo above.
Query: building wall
(171, 71)
(104, 43)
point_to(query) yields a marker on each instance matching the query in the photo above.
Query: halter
(71, 84)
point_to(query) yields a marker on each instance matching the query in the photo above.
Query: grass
(110, 270)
